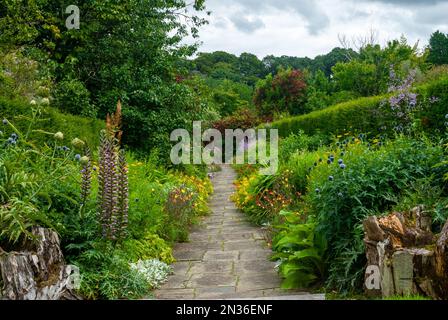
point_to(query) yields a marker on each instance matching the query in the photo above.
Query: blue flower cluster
(64, 148)
(12, 140)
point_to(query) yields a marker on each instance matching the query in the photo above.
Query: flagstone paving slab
(227, 257)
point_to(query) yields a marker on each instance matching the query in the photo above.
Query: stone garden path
(226, 257)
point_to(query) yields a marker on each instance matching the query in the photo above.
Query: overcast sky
(311, 27)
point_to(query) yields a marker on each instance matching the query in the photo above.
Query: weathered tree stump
(409, 258)
(38, 272)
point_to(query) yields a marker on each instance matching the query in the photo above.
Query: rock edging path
(227, 257)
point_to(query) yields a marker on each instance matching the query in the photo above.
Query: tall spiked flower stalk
(112, 181)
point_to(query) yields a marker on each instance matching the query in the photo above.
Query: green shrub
(106, 274)
(31, 177)
(149, 247)
(298, 142)
(370, 183)
(72, 96)
(300, 250)
(300, 165)
(367, 115)
(50, 120)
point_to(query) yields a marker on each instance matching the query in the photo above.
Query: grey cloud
(432, 15)
(315, 18)
(220, 23)
(247, 25)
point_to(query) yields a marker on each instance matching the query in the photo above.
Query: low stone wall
(404, 257)
(38, 272)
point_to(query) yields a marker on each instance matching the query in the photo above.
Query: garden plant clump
(331, 188)
(110, 210)
(87, 117)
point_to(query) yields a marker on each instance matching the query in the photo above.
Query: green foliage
(246, 69)
(285, 92)
(149, 247)
(438, 48)
(357, 76)
(429, 192)
(20, 76)
(135, 61)
(333, 189)
(50, 120)
(364, 115)
(27, 177)
(242, 119)
(371, 183)
(436, 73)
(105, 274)
(73, 97)
(297, 142)
(300, 251)
(321, 62)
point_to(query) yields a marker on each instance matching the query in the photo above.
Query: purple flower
(317, 190)
(331, 178)
(342, 166)
(77, 157)
(5, 122)
(340, 161)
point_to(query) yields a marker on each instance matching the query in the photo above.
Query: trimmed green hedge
(365, 115)
(51, 120)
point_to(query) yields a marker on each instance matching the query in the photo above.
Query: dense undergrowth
(54, 181)
(329, 182)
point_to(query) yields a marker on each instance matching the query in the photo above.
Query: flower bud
(78, 143)
(84, 160)
(59, 136)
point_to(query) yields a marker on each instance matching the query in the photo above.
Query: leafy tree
(397, 54)
(438, 48)
(205, 62)
(322, 62)
(318, 91)
(123, 49)
(326, 62)
(224, 71)
(356, 76)
(283, 93)
(250, 68)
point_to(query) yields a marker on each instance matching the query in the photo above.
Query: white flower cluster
(155, 271)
